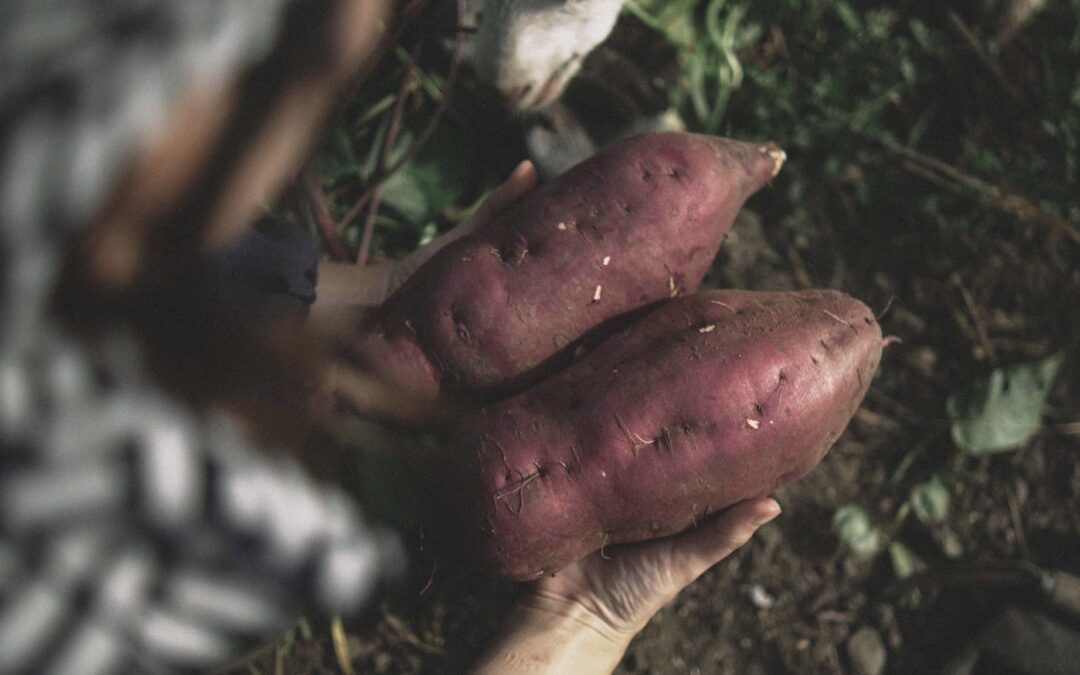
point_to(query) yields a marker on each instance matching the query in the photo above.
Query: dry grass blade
(403, 631)
(961, 27)
(955, 180)
(341, 645)
(976, 318)
(320, 210)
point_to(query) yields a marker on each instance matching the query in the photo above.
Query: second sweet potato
(708, 400)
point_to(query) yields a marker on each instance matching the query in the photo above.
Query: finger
(521, 180)
(699, 549)
(343, 285)
(368, 397)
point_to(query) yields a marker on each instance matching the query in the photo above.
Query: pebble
(760, 597)
(867, 652)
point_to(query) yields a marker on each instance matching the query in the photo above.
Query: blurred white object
(530, 49)
(123, 547)
(760, 598)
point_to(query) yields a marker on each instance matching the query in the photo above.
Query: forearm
(349, 288)
(552, 635)
(346, 292)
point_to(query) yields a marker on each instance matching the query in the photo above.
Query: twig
(976, 318)
(321, 211)
(411, 11)
(1067, 428)
(403, 632)
(404, 94)
(1017, 523)
(425, 134)
(931, 177)
(451, 78)
(354, 210)
(993, 66)
(954, 179)
(899, 409)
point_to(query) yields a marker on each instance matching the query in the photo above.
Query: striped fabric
(135, 535)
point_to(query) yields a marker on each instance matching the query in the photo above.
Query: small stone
(561, 226)
(753, 424)
(707, 329)
(760, 598)
(607, 260)
(950, 544)
(867, 652)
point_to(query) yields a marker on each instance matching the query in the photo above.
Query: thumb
(521, 180)
(696, 550)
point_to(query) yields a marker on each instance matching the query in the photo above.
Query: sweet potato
(640, 221)
(707, 400)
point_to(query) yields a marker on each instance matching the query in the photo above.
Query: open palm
(624, 586)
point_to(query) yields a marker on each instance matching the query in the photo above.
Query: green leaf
(428, 233)
(930, 500)
(902, 559)
(337, 159)
(1003, 411)
(432, 180)
(904, 565)
(855, 530)
(848, 16)
(404, 193)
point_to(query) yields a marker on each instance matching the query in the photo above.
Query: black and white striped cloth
(135, 535)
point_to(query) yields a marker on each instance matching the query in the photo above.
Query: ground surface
(935, 174)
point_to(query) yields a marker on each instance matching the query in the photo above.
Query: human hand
(583, 618)
(346, 292)
(344, 286)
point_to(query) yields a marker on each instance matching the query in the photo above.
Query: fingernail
(772, 512)
(522, 167)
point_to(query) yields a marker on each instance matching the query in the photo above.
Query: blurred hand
(522, 179)
(346, 292)
(583, 618)
(344, 286)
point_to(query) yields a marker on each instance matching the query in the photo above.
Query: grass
(853, 91)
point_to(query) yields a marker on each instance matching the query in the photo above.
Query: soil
(791, 599)
(1007, 291)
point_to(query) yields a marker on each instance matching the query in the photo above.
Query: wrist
(552, 634)
(580, 612)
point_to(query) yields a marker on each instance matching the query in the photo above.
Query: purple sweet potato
(706, 401)
(640, 221)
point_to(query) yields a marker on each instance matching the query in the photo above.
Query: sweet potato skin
(706, 401)
(638, 222)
